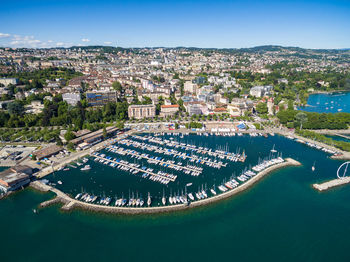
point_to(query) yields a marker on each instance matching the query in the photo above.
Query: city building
(47, 152)
(190, 87)
(8, 81)
(71, 98)
(87, 139)
(193, 108)
(168, 110)
(260, 91)
(141, 111)
(100, 98)
(15, 177)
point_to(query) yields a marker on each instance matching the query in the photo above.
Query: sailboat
(273, 150)
(313, 167)
(163, 199)
(149, 201)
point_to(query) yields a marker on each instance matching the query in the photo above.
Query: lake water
(281, 218)
(328, 103)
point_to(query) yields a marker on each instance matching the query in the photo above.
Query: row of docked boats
(134, 168)
(324, 149)
(174, 153)
(119, 202)
(185, 146)
(162, 162)
(183, 198)
(267, 163)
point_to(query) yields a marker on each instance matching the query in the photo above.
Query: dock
(172, 152)
(135, 168)
(154, 160)
(331, 184)
(176, 144)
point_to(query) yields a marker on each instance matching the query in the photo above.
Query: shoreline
(70, 203)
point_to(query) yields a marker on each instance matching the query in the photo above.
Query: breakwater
(70, 203)
(331, 184)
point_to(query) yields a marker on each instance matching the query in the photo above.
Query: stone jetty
(332, 183)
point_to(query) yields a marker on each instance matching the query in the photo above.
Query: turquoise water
(279, 219)
(338, 138)
(328, 103)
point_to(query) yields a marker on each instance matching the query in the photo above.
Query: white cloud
(85, 40)
(2, 35)
(24, 41)
(107, 43)
(29, 41)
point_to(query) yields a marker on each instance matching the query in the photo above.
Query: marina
(176, 202)
(186, 171)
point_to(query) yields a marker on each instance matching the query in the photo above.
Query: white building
(190, 87)
(8, 81)
(71, 98)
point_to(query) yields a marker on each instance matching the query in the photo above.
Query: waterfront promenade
(71, 203)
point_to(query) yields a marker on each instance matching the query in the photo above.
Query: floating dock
(332, 183)
(135, 168)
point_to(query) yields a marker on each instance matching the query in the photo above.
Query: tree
(70, 146)
(69, 136)
(117, 86)
(104, 132)
(120, 125)
(261, 108)
(301, 118)
(15, 108)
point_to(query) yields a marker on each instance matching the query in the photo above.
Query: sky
(155, 23)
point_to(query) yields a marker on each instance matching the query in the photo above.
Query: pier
(171, 152)
(185, 146)
(154, 160)
(135, 168)
(70, 203)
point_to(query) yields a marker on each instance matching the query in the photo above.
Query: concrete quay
(331, 184)
(70, 203)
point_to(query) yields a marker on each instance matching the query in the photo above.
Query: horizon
(202, 24)
(177, 47)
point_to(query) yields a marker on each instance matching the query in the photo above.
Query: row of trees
(311, 120)
(59, 113)
(322, 138)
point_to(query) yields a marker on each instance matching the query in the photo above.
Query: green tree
(15, 108)
(301, 118)
(104, 133)
(261, 108)
(69, 136)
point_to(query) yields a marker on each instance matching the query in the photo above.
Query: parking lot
(10, 155)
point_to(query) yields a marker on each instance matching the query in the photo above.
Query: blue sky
(215, 23)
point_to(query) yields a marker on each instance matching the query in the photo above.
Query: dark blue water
(328, 103)
(281, 218)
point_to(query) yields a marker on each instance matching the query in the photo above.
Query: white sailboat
(273, 150)
(149, 201)
(163, 199)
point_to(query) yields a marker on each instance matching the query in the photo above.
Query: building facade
(71, 98)
(168, 110)
(100, 98)
(141, 111)
(8, 81)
